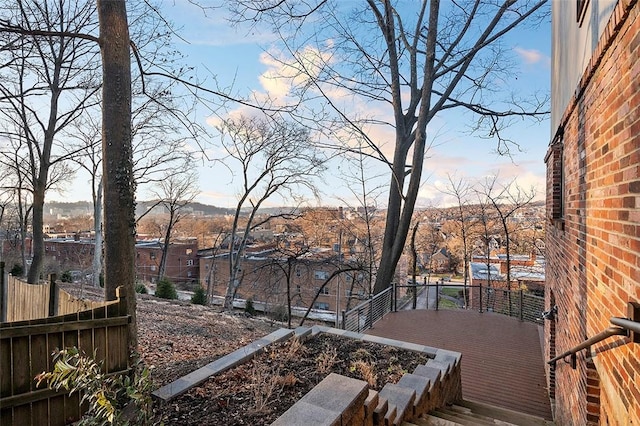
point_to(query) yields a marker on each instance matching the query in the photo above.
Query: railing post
(521, 305)
(480, 297)
(437, 295)
(358, 320)
(3, 293)
(426, 287)
(394, 298)
(371, 312)
(53, 295)
(344, 320)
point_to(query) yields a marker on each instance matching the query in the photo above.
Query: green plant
(141, 288)
(249, 308)
(199, 296)
(112, 400)
(165, 289)
(66, 277)
(17, 270)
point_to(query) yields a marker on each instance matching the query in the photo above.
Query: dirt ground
(176, 338)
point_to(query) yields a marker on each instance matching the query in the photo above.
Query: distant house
(182, 261)
(593, 210)
(76, 254)
(439, 262)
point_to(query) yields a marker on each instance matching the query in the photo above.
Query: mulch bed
(258, 392)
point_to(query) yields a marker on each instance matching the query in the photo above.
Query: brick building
(264, 278)
(593, 188)
(76, 254)
(182, 261)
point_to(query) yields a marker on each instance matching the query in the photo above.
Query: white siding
(572, 46)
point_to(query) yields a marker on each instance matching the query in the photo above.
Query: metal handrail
(624, 326)
(626, 323)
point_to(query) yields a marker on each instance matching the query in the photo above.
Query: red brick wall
(593, 247)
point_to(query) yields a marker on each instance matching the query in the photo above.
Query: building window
(555, 181)
(298, 289)
(323, 290)
(189, 251)
(298, 273)
(153, 268)
(152, 255)
(189, 262)
(581, 10)
(321, 305)
(320, 275)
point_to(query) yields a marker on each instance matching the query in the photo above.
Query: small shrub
(66, 277)
(280, 313)
(106, 396)
(166, 290)
(199, 296)
(17, 270)
(141, 288)
(366, 371)
(265, 382)
(249, 308)
(326, 360)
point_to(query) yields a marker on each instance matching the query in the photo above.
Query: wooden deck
(502, 360)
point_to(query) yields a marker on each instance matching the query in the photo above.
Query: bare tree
(366, 193)
(58, 71)
(273, 158)
(460, 190)
(411, 60)
(507, 200)
(174, 193)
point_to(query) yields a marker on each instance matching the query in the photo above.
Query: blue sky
(235, 57)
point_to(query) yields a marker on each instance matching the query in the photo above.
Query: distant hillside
(78, 207)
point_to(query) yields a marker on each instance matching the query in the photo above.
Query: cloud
(531, 56)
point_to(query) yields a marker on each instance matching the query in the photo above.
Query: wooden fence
(26, 301)
(25, 351)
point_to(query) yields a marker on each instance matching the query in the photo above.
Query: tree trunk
(165, 247)
(119, 185)
(97, 229)
(35, 270)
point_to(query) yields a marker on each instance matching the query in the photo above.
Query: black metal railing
(365, 314)
(442, 295)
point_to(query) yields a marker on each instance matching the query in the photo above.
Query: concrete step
(429, 420)
(503, 414)
(473, 413)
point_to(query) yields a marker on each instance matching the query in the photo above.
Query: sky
(236, 56)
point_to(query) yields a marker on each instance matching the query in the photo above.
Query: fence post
(53, 295)
(3, 293)
(344, 320)
(521, 305)
(480, 297)
(427, 286)
(437, 294)
(121, 294)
